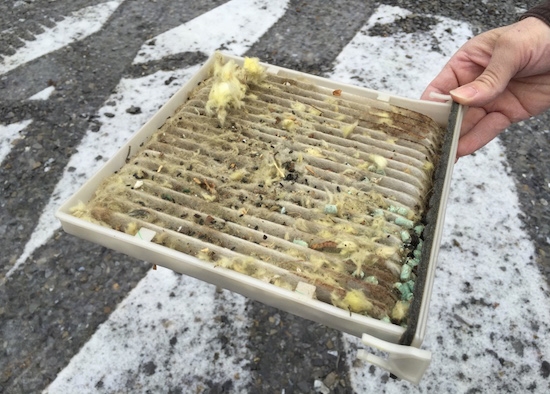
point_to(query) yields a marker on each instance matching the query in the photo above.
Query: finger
(503, 66)
(484, 131)
(472, 117)
(459, 70)
(442, 83)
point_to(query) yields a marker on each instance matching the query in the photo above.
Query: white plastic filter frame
(406, 362)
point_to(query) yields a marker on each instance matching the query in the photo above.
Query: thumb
(490, 84)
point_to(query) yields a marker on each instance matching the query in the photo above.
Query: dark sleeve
(541, 12)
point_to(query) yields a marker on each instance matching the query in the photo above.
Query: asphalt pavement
(55, 298)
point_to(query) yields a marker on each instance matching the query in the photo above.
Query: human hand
(503, 75)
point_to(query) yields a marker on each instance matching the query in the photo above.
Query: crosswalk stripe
(8, 134)
(75, 27)
(401, 63)
(172, 331)
(248, 21)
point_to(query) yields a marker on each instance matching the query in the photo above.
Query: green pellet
(386, 319)
(413, 262)
(300, 242)
(403, 289)
(417, 254)
(403, 211)
(418, 229)
(399, 210)
(331, 209)
(400, 221)
(406, 272)
(405, 237)
(371, 279)
(410, 285)
(378, 212)
(376, 169)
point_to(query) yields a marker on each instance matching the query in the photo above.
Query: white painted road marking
(8, 134)
(236, 25)
(77, 26)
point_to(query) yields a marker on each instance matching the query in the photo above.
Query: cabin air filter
(319, 198)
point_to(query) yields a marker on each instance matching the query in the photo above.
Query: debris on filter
(348, 129)
(285, 182)
(371, 279)
(230, 85)
(238, 175)
(132, 228)
(80, 211)
(354, 301)
(379, 163)
(301, 243)
(253, 72)
(428, 166)
(289, 123)
(400, 310)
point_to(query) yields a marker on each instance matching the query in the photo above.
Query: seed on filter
(375, 180)
(167, 197)
(326, 246)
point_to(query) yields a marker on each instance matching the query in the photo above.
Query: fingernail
(464, 92)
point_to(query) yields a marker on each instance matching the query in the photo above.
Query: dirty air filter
(299, 192)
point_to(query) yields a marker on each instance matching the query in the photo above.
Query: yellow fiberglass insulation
(230, 85)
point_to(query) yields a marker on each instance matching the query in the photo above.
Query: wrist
(540, 12)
